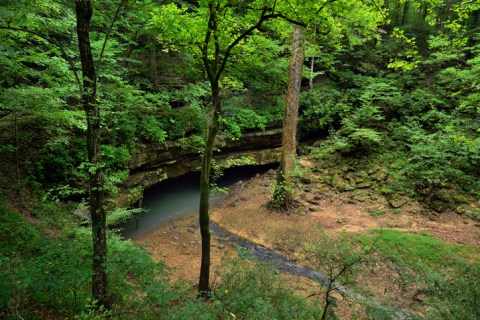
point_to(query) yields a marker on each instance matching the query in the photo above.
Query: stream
(288, 266)
(179, 197)
(272, 257)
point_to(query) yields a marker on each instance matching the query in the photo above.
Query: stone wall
(152, 164)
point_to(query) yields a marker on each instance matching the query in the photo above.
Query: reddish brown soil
(321, 209)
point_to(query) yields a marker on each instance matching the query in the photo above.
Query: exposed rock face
(155, 163)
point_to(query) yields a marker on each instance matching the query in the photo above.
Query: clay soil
(321, 209)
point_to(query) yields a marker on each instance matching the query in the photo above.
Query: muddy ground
(322, 209)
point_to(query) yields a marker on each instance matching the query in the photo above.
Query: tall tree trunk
(17, 157)
(405, 13)
(84, 11)
(397, 13)
(212, 130)
(310, 80)
(283, 195)
(312, 62)
(214, 66)
(386, 6)
(153, 66)
(424, 11)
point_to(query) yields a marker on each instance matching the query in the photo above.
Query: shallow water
(180, 197)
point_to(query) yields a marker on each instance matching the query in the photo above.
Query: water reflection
(180, 197)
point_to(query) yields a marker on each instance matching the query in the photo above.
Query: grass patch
(422, 250)
(377, 213)
(447, 274)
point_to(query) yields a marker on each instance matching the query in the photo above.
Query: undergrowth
(46, 264)
(445, 273)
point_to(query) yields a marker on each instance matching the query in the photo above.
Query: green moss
(422, 250)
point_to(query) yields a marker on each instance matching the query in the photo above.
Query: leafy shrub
(449, 156)
(151, 129)
(440, 158)
(251, 291)
(383, 93)
(185, 121)
(236, 121)
(93, 312)
(122, 129)
(19, 239)
(321, 108)
(272, 112)
(421, 102)
(247, 291)
(59, 156)
(357, 134)
(42, 271)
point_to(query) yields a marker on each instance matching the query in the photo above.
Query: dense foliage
(396, 86)
(48, 275)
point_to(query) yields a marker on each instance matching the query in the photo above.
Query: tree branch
(380, 10)
(215, 36)
(357, 260)
(324, 5)
(263, 17)
(208, 35)
(6, 117)
(107, 34)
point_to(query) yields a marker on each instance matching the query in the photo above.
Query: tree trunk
(153, 66)
(386, 6)
(424, 11)
(138, 214)
(312, 63)
(214, 66)
(283, 195)
(405, 13)
(17, 157)
(84, 11)
(397, 13)
(327, 299)
(203, 284)
(310, 80)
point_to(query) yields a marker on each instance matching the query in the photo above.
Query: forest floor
(321, 210)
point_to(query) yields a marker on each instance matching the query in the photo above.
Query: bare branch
(6, 117)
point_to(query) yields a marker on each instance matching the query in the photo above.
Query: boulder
(397, 202)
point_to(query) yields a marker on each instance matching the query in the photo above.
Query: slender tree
(84, 12)
(86, 81)
(405, 12)
(214, 64)
(207, 28)
(209, 25)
